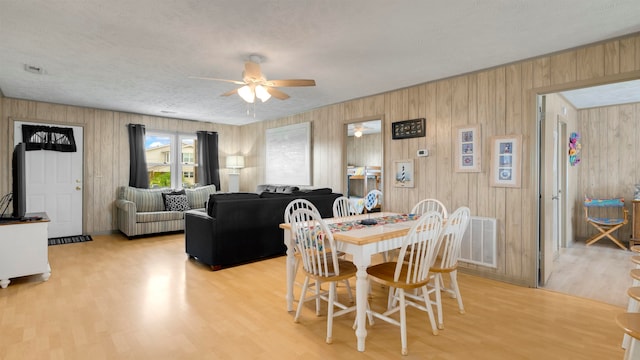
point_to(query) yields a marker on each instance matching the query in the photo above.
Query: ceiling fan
(255, 84)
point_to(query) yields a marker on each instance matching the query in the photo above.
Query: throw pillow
(164, 196)
(177, 203)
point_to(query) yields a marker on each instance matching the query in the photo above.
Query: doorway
(54, 183)
(364, 160)
(565, 264)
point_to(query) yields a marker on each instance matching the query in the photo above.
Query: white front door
(54, 184)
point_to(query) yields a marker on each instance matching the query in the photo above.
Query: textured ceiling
(604, 95)
(137, 56)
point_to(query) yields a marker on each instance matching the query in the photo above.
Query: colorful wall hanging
(574, 148)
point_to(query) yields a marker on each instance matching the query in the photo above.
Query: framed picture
(403, 173)
(468, 149)
(408, 129)
(506, 158)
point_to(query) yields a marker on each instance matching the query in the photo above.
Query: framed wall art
(468, 148)
(506, 160)
(403, 173)
(408, 129)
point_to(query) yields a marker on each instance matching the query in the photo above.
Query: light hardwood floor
(599, 272)
(114, 298)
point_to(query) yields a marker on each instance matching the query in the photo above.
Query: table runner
(384, 220)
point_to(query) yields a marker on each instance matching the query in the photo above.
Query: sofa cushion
(177, 203)
(198, 197)
(164, 196)
(155, 216)
(146, 199)
(321, 191)
(287, 189)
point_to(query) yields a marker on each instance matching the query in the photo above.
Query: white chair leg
(437, 284)
(391, 299)
(403, 322)
(302, 296)
(425, 294)
(317, 298)
(332, 294)
(456, 289)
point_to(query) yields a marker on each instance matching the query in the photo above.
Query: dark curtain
(138, 176)
(40, 137)
(208, 164)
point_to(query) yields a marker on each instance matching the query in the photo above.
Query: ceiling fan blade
(291, 83)
(214, 79)
(251, 71)
(230, 92)
(277, 93)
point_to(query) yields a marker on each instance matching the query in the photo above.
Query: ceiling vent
(33, 69)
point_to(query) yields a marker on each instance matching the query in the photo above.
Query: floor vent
(479, 242)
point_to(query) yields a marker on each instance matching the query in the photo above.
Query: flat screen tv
(19, 190)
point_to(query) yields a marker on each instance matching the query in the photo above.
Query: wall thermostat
(423, 152)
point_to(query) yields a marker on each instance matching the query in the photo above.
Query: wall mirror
(364, 161)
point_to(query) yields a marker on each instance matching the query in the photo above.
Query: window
(187, 157)
(170, 155)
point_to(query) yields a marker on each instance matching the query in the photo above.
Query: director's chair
(606, 225)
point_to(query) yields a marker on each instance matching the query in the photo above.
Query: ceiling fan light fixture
(262, 93)
(247, 94)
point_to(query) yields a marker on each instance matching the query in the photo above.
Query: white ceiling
(604, 95)
(137, 56)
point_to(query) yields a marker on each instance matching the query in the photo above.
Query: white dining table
(361, 244)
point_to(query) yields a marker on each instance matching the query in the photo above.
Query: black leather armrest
(200, 230)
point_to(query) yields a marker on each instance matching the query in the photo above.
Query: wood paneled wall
(106, 149)
(609, 165)
(502, 100)
(365, 150)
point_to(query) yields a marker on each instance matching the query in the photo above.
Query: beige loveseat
(142, 211)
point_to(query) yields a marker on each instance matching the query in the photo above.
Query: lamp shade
(262, 93)
(247, 94)
(235, 162)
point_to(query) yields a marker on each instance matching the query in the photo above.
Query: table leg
(362, 293)
(291, 268)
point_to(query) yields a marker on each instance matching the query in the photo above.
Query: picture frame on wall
(506, 160)
(468, 149)
(403, 173)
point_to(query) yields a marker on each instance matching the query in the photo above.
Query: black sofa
(243, 227)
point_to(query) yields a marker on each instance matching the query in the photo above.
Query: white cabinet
(24, 249)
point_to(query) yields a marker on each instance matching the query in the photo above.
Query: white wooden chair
(422, 207)
(410, 271)
(430, 205)
(288, 211)
(342, 206)
(320, 262)
(447, 259)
